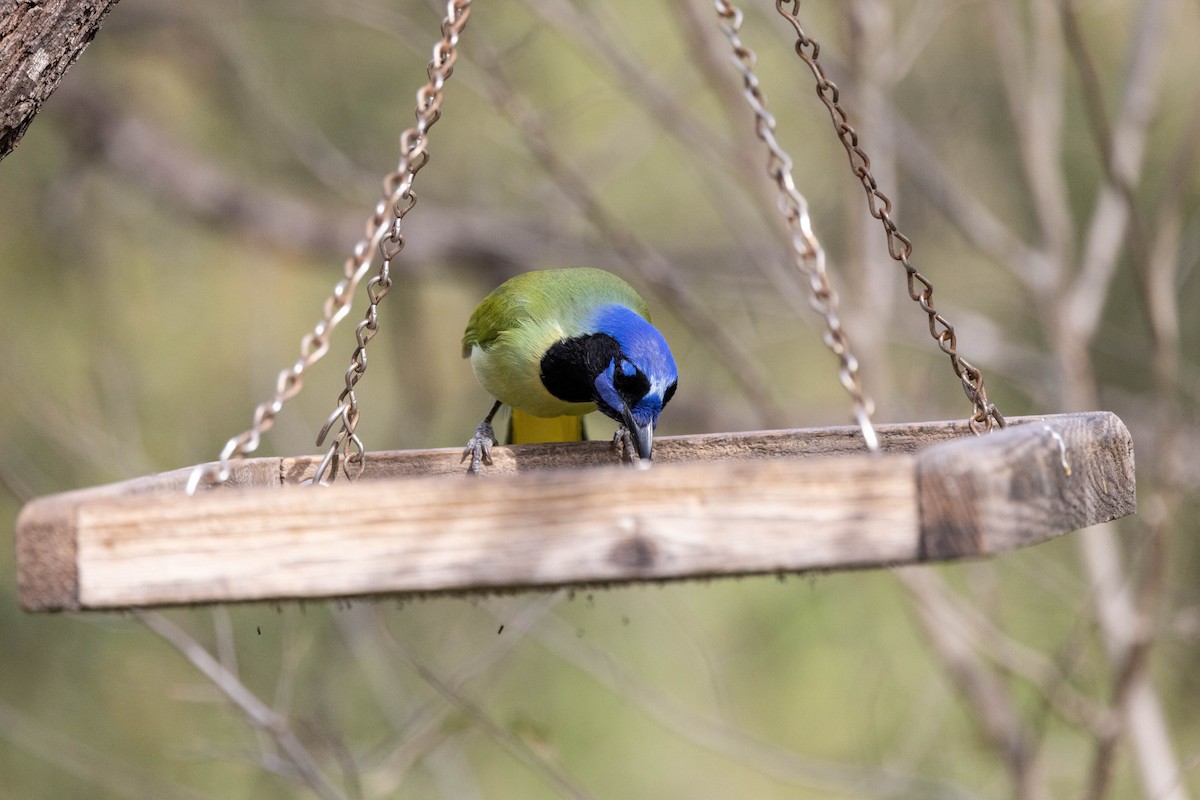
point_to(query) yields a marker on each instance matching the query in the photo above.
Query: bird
(560, 343)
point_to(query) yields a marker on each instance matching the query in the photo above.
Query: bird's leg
(623, 444)
(479, 446)
(626, 447)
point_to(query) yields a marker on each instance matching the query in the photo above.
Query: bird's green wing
(500, 311)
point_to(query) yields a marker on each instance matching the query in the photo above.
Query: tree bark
(39, 41)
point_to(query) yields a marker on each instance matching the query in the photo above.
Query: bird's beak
(643, 436)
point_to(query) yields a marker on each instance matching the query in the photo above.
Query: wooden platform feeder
(713, 505)
(570, 514)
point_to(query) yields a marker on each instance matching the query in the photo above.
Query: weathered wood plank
(47, 570)
(47, 563)
(1024, 485)
(750, 502)
(535, 529)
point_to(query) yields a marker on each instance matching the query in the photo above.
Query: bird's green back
(568, 296)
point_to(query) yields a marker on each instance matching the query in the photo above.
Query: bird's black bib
(569, 368)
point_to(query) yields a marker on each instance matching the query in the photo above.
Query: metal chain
(346, 446)
(986, 415)
(808, 254)
(381, 228)
(313, 347)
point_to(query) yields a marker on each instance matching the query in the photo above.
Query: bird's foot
(624, 445)
(479, 447)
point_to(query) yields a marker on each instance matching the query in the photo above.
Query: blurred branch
(959, 618)
(710, 54)
(423, 731)
(1192, 763)
(258, 713)
(336, 171)
(39, 41)
(453, 772)
(1126, 618)
(871, 294)
(1161, 269)
(223, 632)
(295, 649)
(664, 107)
(140, 151)
(719, 161)
(919, 28)
(732, 159)
(212, 39)
(107, 452)
(991, 706)
(189, 181)
(1114, 219)
(511, 743)
(1162, 507)
(966, 211)
(78, 759)
(1028, 368)
(736, 745)
(498, 245)
(1033, 86)
(292, 658)
(12, 479)
(1128, 636)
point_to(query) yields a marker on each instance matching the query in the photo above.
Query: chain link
(382, 232)
(346, 446)
(808, 254)
(920, 289)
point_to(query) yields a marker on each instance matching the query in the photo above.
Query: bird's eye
(670, 392)
(632, 386)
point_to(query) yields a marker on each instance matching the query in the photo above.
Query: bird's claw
(626, 449)
(479, 447)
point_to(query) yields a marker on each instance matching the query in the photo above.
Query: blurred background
(181, 208)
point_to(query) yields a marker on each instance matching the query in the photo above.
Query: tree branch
(721, 738)
(255, 710)
(1114, 220)
(1033, 85)
(991, 704)
(514, 745)
(39, 41)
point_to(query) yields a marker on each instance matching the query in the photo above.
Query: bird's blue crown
(643, 375)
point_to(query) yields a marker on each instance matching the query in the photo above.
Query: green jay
(559, 343)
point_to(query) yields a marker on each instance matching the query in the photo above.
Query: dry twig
(737, 745)
(258, 713)
(421, 732)
(553, 773)
(81, 760)
(991, 705)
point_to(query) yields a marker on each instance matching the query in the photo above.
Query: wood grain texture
(753, 445)
(39, 41)
(47, 566)
(535, 529)
(747, 503)
(1024, 485)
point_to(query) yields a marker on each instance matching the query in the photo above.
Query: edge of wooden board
(956, 478)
